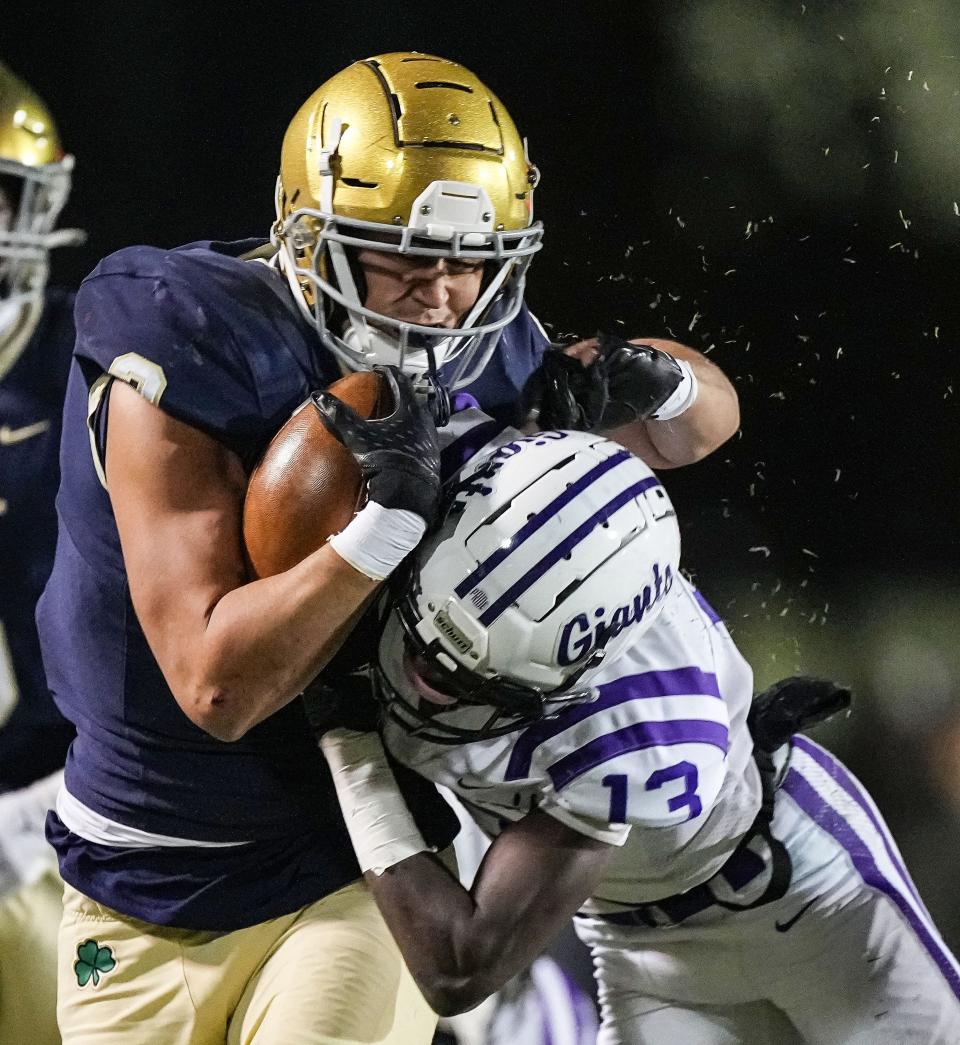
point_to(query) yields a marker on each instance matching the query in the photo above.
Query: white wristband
(378, 539)
(382, 829)
(682, 397)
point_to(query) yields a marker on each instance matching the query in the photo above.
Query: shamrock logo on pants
(92, 960)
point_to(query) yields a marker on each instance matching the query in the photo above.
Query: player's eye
(459, 267)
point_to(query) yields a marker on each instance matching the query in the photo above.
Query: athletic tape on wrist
(682, 397)
(381, 827)
(378, 539)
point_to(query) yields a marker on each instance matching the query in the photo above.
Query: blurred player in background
(36, 339)
(547, 662)
(212, 890)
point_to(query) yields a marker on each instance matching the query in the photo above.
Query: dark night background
(773, 182)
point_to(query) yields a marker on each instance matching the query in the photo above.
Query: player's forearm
(455, 950)
(266, 640)
(708, 423)
(460, 946)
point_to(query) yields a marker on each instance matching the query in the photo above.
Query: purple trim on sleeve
(711, 613)
(570, 542)
(635, 738)
(543, 516)
(828, 819)
(681, 682)
(839, 774)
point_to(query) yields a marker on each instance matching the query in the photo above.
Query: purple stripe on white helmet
(564, 548)
(531, 526)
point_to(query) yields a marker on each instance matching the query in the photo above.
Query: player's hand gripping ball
(398, 455)
(308, 485)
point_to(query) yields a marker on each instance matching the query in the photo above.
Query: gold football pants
(28, 961)
(328, 973)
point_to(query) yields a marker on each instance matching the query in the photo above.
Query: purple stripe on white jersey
(635, 738)
(828, 819)
(681, 682)
(839, 773)
(531, 526)
(711, 613)
(565, 546)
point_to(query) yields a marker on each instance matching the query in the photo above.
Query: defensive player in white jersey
(548, 663)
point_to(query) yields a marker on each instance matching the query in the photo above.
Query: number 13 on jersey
(687, 799)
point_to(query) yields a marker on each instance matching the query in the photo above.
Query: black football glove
(790, 706)
(562, 393)
(625, 383)
(337, 699)
(398, 455)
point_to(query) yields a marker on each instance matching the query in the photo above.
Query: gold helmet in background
(35, 180)
(409, 154)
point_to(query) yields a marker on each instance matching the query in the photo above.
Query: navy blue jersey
(34, 737)
(217, 342)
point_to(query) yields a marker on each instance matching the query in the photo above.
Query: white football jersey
(659, 764)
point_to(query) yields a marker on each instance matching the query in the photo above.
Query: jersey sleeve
(146, 318)
(650, 774)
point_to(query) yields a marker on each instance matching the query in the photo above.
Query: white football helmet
(553, 553)
(407, 154)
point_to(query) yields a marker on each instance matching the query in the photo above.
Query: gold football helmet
(409, 154)
(35, 184)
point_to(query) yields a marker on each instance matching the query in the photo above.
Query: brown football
(307, 484)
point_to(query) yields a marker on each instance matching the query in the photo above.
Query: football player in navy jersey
(36, 339)
(212, 891)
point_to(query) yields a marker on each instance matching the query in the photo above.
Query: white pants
(849, 956)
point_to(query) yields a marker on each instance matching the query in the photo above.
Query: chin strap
(438, 398)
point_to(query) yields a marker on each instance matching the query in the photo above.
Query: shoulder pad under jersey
(213, 340)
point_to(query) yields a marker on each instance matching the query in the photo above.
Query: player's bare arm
(706, 424)
(232, 651)
(462, 946)
(459, 945)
